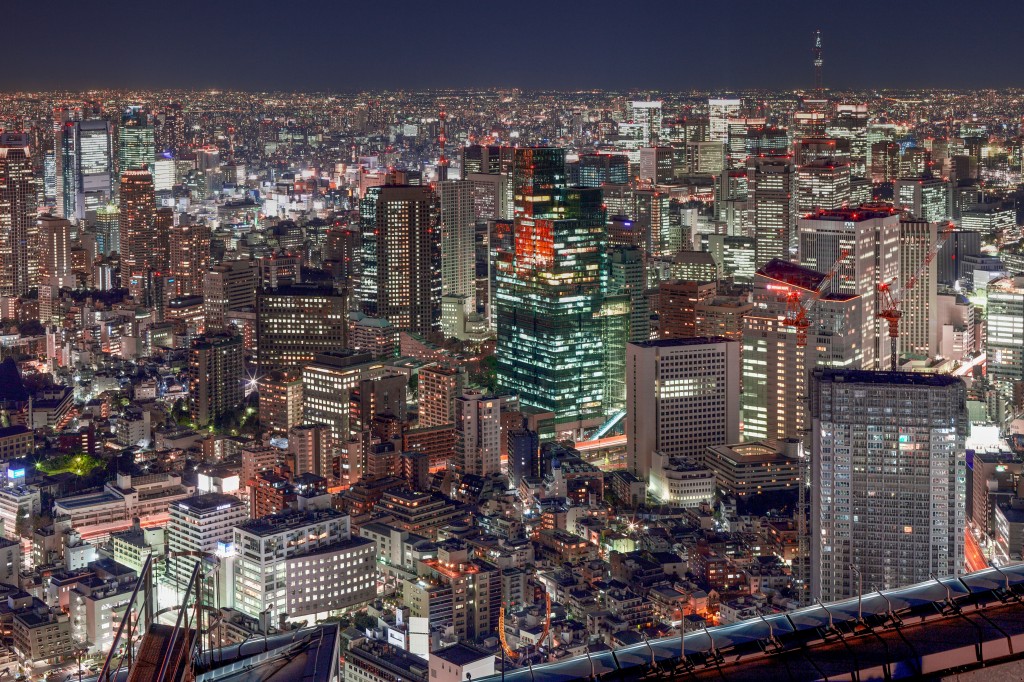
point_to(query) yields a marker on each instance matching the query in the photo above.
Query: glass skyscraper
(549, 347)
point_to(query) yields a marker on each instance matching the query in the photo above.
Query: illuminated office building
(18, 230)
(458, 243)
(215, 376)
(648, 116)
(84, 167)
(600, 169)
(822, 183)
(719, 113)
(108, 234)
(407, 246)
(294, 323)
(136, 147)
(1004, 340)
(927, 198)
(771, 202)
(548, 290)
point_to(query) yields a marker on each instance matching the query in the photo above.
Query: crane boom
(798, 305)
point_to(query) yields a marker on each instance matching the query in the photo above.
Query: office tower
(648, 116)
(705, 157)
(228, 286)
(311, 553)
(677, 306)
(600, 169)
(478, 433)
(108, 234)
(458, 244)
(408, 258)
(280, 400)
(136, 224)
(719, 113)
(652, 217)
(764, 140)
(851, 123)
(294, 323)
(722, 316)
(18, 231)
(612, 322)
(682, 395)
(340, 254)
(379, 396)
(163, 224)
(885, 161)
(926, 198)
(548, 288)
(1004, 334)
(657, 165)
(309, 447)
(439, 386)
(199, 527)
(215, 376)
(627, 275)
(372, 335)
(327, 382)
(887, 460)
(731, 200)
(775, 365)
(919, 324)
(822, 184)
(84, 168)
(771, 197)
(738, 132)
(136, 147)
(870, 238)
(54, 251)
(189, 248)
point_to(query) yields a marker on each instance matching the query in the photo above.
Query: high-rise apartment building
(310, 450)
(294, 323)
(189, 249)
(869, 236)
(771, 204)
(215, 376)
(136, 223)
(682, 396)
(408, 258)
(18, 230)
(888, 465)
(280, 400)
(478, 433)
(439, 386)
(54, 254)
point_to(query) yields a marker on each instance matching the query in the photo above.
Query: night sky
(622, 44)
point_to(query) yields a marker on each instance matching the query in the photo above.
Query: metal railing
(127, 636)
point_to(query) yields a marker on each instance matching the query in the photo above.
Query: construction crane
(798, 305)
(891, 296)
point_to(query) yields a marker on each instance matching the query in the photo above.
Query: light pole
(860, 593)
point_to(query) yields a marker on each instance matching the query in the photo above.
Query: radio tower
(817, 61)
(442, 137)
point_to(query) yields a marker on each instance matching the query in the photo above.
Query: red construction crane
(891, 296)
(798, 304)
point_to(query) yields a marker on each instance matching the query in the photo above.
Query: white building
(458, 243)
(719, 113)
(870, 237)
(96, 515)
(682, 396)
(199, 527)
(888, 463)
(18, 506)
(301, 565)
(461, 662)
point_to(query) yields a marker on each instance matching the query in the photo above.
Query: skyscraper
(189, 250)
(647, 115)
(888, 465)
(136, 223)
(54, 251)
(294, 323)
(719, 113)
(458, 256)
(1004, 341)
(773, 404)
(920, 325)
(136, 146)
(822, 183)
(85, 167)
(682, 395)
(548, 290)
(18, 231)
(771, 202)
(228, 286)
(870, 238)
(408, 258)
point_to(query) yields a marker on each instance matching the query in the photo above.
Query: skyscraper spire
(817, 62)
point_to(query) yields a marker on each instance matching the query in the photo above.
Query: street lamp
(860, 593)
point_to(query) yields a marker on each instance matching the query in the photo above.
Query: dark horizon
(263, 46)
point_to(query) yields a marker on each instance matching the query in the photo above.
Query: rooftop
(673, 343)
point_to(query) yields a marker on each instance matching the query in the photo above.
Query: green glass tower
(549, 348)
